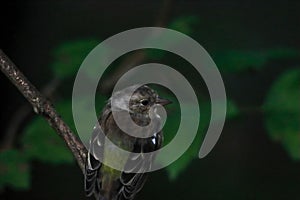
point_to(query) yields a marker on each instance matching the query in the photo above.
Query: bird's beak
(162, 101)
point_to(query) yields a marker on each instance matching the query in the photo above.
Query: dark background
(245, 163)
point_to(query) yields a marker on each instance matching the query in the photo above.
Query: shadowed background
(256, 47)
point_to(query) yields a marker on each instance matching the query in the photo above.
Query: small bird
(104, 182)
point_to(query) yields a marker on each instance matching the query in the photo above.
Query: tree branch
(43, 107)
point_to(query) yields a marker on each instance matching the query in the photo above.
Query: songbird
(105, 182)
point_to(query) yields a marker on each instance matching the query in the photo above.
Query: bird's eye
(144, 102)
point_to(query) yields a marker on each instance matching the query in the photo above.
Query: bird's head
(143, 99)
(140, 102)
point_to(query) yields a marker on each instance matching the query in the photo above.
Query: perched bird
(104, 182)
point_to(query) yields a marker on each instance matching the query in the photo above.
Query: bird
(104, 182)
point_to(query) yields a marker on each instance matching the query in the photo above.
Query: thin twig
(43, 107)
(22, 113)
(13, 127)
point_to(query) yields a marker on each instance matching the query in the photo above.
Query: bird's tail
(91, 178)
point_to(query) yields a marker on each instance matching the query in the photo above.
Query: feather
(104, 182)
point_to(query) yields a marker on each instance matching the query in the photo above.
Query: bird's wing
(129, 183)
(92, 174)
(132, 183)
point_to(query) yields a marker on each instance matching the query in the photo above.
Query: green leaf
(69, 56)
(170, 129)
(14, 170)
(232, 109)
(64, 108)
(41, 142)
(282, 112)
(185, 24)
(173, 121)
(85, 108)
(240, 60)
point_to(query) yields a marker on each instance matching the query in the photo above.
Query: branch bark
(43, 107)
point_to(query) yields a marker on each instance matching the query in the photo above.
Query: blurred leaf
(176, 168)
(184, 24)
(101, 101)
(85, 108)
(232, 109)
(64, 108)
(14, 170)
(69, 56)
(42, 142)
(239, 60)
(170, 129)
(282, 112)
(155, 53)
